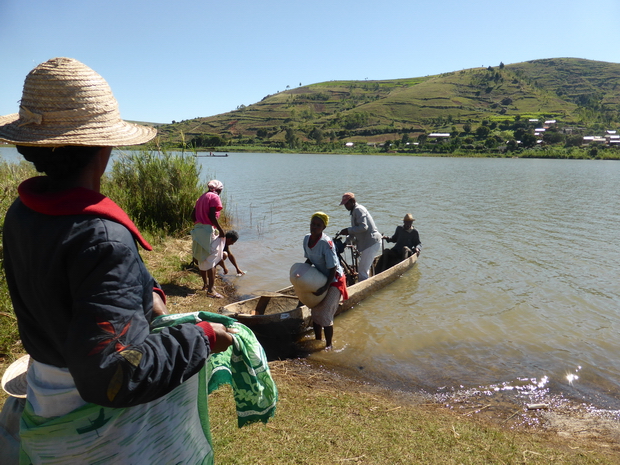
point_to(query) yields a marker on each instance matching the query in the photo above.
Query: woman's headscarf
(215, 185)
(322, 216)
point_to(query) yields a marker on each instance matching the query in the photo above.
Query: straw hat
(14, 378)
(64, 102)
(409, 217)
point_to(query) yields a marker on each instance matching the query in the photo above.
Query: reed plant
(11, 175)
(157, 189)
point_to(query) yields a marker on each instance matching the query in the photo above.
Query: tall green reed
(11, 175)
(158, 190)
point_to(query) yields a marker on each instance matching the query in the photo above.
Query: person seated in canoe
(320, 251)
(407, 243)
(231, 238)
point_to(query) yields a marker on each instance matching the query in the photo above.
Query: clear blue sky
(181, 59)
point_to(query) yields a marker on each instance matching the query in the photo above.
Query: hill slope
(573, 91)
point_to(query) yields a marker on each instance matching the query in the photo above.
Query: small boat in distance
(211, 154)
(280, 316)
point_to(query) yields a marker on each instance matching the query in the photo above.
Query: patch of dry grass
(323, 417)
(170, 263)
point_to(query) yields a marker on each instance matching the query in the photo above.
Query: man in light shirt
(366, 234)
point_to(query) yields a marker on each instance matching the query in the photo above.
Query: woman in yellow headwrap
(320, 251)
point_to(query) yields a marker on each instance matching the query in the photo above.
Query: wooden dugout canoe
(280, 315)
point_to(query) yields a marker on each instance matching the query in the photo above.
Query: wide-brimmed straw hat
(14, 379)
(64, 102)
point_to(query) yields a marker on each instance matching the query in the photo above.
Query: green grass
(157, 190)
(11, 175)
(322, 418)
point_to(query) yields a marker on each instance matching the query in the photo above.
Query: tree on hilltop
(317, 135)
(482, 132)
(291, 139)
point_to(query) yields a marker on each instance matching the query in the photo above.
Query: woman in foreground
(101, 387)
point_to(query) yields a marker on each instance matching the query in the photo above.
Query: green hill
(575, 92)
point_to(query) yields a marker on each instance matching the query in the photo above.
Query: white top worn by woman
(323, 255)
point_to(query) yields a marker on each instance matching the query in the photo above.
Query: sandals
(215, 295)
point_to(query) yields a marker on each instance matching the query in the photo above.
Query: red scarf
(341, 285)
(77, 201)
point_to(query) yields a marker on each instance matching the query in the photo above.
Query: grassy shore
(325, 418)
(328, 417)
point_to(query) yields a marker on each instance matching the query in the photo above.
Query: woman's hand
(159, 307)
(320, 290)
(223, 337)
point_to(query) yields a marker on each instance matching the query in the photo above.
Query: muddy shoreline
(572, 420)
(514, 409)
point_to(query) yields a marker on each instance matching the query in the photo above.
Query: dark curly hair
(232, 235)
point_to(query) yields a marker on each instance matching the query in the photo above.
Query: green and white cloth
(243, 365)
(202, 236)
(171, 429)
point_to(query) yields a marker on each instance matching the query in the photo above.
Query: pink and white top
(204, 204)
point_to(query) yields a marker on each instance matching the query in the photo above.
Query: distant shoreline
(538, 153)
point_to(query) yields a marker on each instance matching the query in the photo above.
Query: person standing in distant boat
(364, 231)
(320, 252)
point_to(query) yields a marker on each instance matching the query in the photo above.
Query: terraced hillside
(575, 92)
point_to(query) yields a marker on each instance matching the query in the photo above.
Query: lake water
(516, 288)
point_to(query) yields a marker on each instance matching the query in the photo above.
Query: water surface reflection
(516, 290)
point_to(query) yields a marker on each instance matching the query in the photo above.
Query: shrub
(158, 190)
(11, 175)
